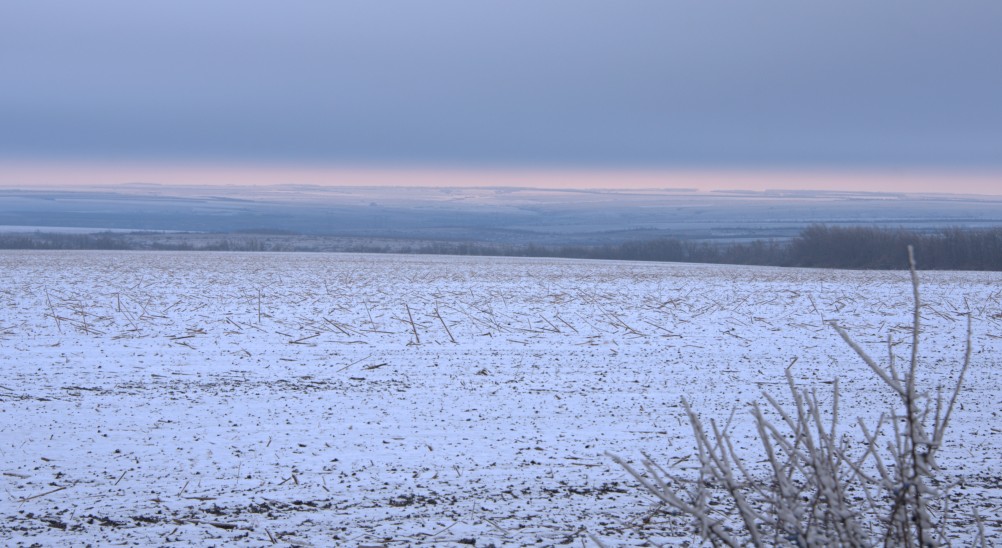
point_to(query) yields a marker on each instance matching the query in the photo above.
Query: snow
(319, 399)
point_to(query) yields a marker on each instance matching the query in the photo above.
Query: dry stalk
(40, 495)
(410, 318)
(439, 316)
(52, 310)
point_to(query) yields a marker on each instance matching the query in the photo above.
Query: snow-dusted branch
(815, 490)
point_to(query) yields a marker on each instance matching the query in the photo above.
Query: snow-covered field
(258, 399)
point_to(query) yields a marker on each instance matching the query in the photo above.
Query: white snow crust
(367, 400)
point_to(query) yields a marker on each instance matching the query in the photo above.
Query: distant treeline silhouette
(50, 240)
(885, 249)
(819, 246)
(113, 241)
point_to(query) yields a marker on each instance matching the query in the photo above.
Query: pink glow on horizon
(91, 175)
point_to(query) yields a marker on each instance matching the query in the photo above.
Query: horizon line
(907, 181)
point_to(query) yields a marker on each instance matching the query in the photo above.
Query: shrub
(817, 490)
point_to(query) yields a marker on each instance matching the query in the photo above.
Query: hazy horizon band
(82, 175)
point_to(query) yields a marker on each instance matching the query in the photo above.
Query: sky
(898, 95)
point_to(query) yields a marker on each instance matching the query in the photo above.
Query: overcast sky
(577, 84)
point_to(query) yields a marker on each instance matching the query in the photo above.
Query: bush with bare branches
(818, 490)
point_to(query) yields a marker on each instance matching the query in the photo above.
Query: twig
(40, 495)
(353, 363)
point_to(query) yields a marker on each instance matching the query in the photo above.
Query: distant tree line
(823, 246)
(819, 246)
(49, 240)
(878, 248)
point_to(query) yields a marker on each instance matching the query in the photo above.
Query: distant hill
(495, 216)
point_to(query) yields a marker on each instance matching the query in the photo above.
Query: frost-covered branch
(815, 491)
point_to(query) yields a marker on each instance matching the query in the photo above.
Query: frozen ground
(213, 399)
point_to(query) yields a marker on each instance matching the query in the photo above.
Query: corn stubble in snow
(348, 400)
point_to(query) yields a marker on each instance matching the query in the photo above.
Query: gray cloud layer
(582, 82)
